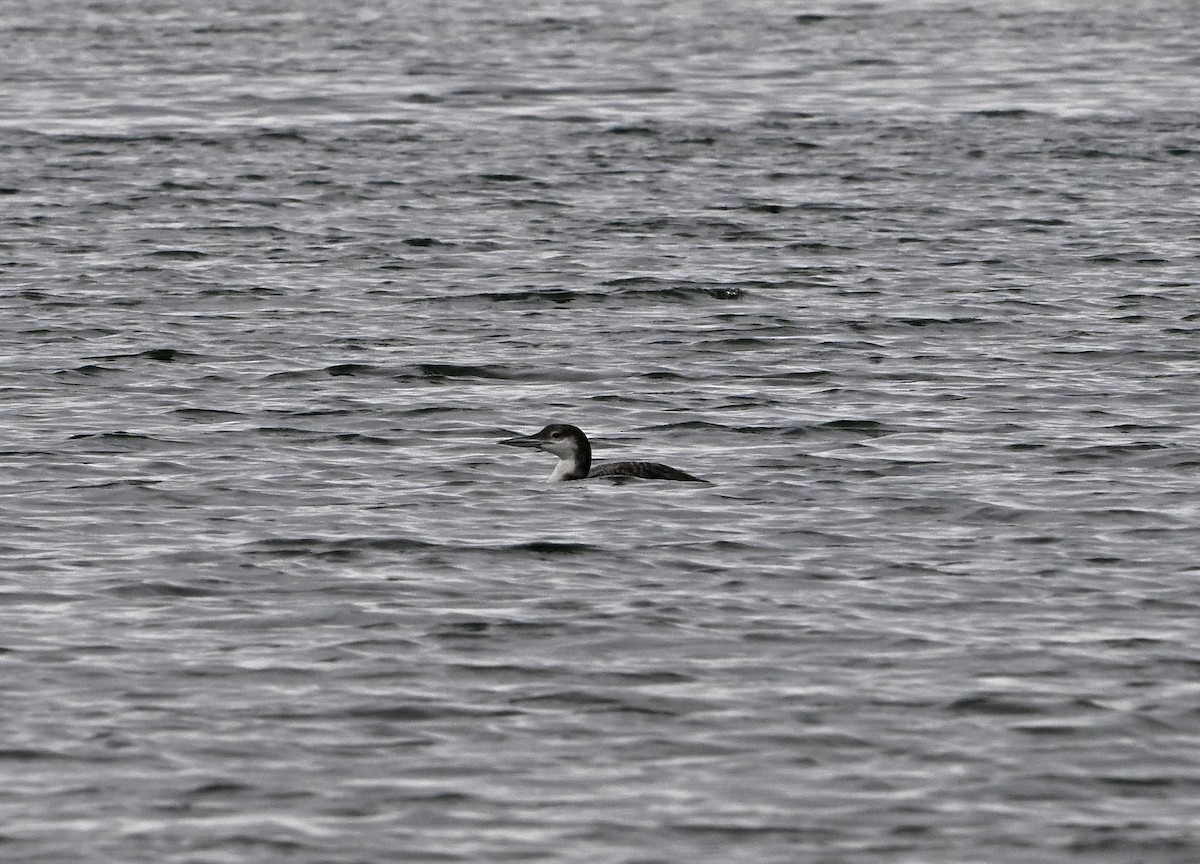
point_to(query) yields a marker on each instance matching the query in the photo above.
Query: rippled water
(913, 284)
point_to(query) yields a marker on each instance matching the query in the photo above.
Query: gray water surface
(914, 285)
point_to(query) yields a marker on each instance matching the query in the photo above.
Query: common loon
(574, 454)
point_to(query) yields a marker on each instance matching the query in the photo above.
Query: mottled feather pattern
(644, 470)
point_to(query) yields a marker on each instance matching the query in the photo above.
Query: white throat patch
(561, 470)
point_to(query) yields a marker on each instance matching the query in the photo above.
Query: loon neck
(568, 469)
(575, 465)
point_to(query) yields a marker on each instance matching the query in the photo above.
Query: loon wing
(645, 470)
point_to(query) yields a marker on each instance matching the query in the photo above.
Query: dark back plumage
(644, 470)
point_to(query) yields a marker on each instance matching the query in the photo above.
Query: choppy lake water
(913, 284)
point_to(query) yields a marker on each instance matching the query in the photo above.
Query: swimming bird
(574, 454)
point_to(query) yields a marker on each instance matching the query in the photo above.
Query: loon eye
(555, 434)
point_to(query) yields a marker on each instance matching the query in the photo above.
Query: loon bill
(574, 454)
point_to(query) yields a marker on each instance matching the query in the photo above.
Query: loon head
(566, 442)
